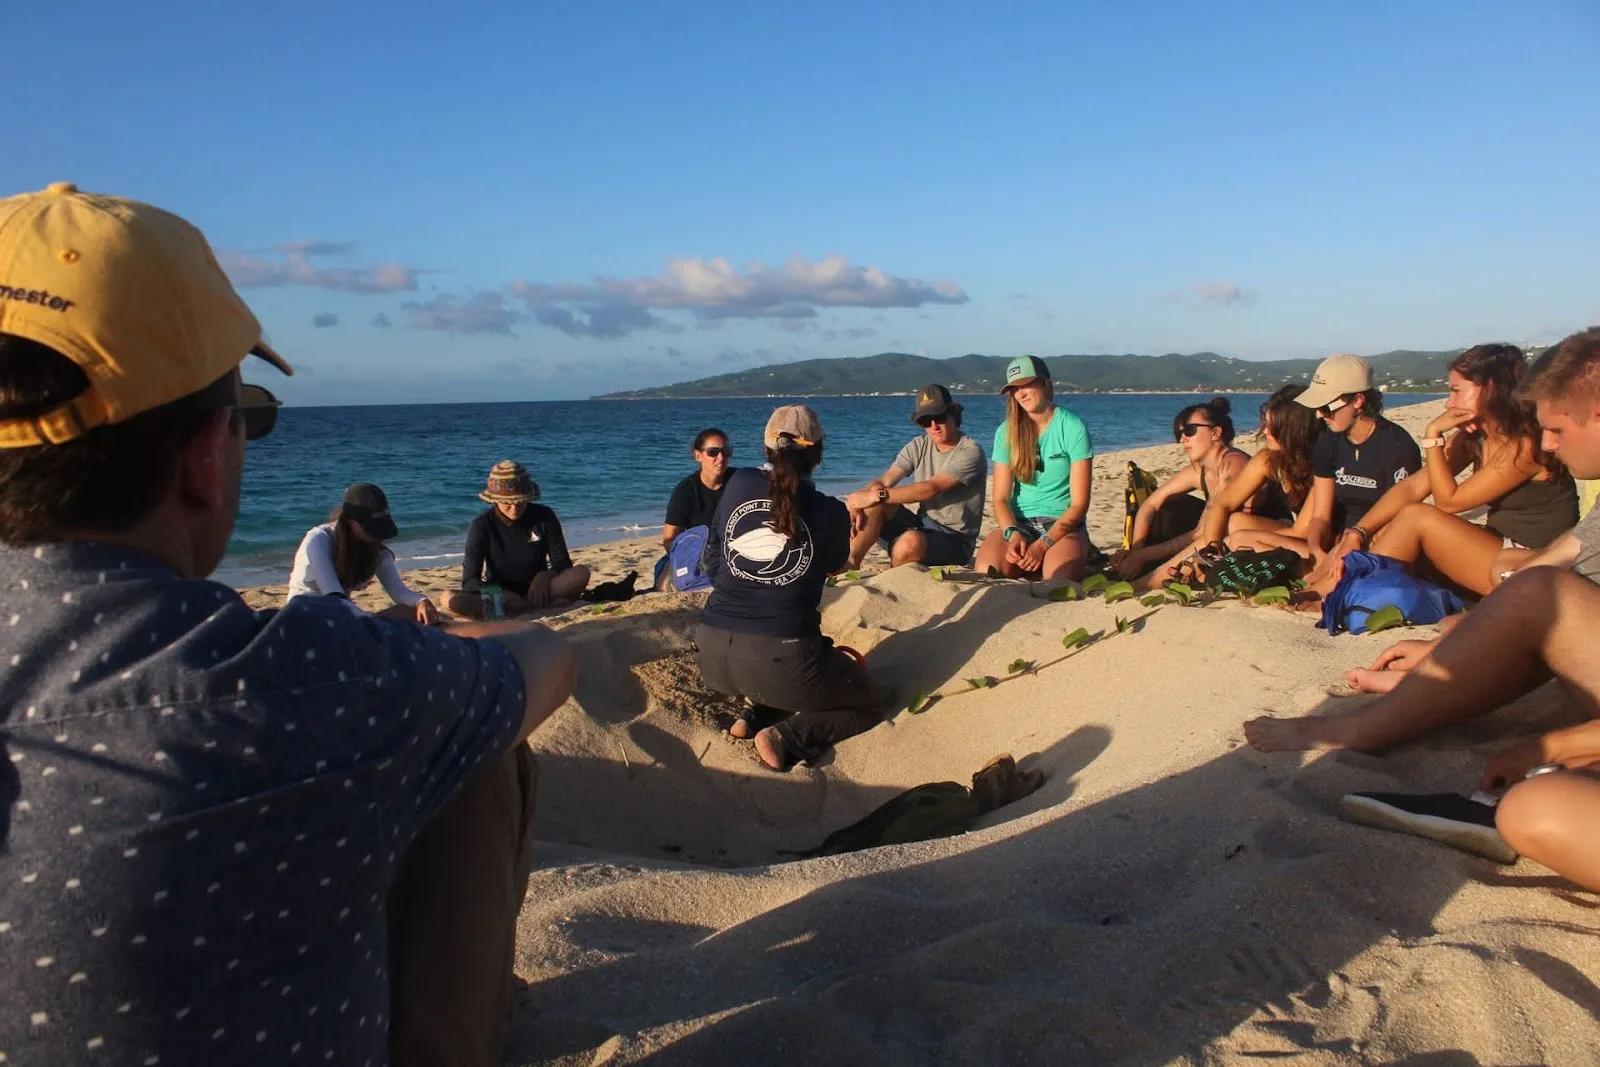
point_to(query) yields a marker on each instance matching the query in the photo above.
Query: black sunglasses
(258, 410)
(1189, 429)
(929, 420)
(719, 450)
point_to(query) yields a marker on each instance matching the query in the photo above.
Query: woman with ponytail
(1043, 465)
(344, 555)
(769, 550)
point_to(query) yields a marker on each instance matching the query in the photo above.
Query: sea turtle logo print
(756, 552)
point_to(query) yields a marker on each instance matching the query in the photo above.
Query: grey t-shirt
(959, 510)
(1587, 565)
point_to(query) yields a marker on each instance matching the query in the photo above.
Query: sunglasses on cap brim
(258, 410)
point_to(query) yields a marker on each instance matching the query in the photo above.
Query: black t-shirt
(763, 582)
(509, 554)
(1362, 473)
(692, 504)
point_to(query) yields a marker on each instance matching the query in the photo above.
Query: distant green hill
(899, 372)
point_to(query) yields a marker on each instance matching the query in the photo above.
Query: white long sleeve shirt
(314, 573)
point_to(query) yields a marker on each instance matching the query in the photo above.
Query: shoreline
(613, 558)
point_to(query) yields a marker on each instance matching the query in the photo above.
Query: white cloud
(291, 264)
(713, 290)
(481, 312)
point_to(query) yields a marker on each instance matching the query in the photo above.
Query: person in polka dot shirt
(230, 837)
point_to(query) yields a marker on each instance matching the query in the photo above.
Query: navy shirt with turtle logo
(762, 581)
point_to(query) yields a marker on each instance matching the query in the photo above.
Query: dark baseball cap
(933, 400)
(365, 505)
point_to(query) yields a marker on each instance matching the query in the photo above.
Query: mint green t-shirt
(1063, 442)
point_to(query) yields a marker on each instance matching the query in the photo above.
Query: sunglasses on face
(1331, 406)
(1189, 429)
(929, 420)
(257, 409)
(718, 450)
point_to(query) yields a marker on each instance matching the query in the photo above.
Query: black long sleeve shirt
(509, 554)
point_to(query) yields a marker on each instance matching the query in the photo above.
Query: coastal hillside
(900, 372)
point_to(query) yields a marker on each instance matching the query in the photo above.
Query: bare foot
(740, 728)
(769, 746)
(1290, 735)
(1372, 681)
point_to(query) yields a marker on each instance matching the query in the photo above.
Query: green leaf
(604, 609)
(919, 703)
(1154, 600)
(1019, 665)
(1275, 594)
(1385, 618)
(1094, 583)
(1066, 592)
(1180, 592)
(936, 573)
(1119, 591)
(832, 579)
(1075, 638)
(1124, 625)
(984, 682)
(853, 576)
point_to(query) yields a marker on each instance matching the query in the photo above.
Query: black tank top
(1536, 513)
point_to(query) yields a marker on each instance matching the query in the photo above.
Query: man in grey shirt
(948, 472)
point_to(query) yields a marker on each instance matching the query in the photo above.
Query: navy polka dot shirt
(204, 806)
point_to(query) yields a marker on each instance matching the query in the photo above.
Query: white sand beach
(1168, 896)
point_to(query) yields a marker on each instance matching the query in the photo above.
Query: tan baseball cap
(1336, 376)
(796, 421)
(130, 293)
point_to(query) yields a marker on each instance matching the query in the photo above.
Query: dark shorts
(945, 547)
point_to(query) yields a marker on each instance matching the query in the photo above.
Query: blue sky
(514, 201)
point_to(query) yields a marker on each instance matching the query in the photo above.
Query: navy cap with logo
(933, 400)
(1023, 370)
(366, 506)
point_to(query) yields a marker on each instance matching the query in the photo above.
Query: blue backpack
(1372, 582)
(683, 561)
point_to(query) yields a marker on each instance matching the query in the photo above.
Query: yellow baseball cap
(130, 293)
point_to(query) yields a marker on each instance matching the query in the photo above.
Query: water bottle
(494, 602)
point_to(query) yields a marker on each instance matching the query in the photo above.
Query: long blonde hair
(1022, 435)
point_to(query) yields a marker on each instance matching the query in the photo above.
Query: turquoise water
(605, 466)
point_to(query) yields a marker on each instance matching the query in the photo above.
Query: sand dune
(1167, 896)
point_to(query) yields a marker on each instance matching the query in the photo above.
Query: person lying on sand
(1043, 469)
(694, 500)
(948, 473)
(1539, 623)
(517, 545)
(770, 549)
(236, 836)
(1531, 497)
(1166, 521)
(344, 555)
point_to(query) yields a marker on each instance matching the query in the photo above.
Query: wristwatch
(883, 494)
(1430, 442)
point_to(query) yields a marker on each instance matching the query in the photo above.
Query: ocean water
(605, 466)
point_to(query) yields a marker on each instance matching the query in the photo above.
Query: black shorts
(945, 548)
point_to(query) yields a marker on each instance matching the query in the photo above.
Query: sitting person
(694, 500)
(248, 846)
(948, 472)
(1274, 484)
(1540, 623)
(1358, 457)
(344, 554)
(1168, 518)
(518, 545)
(772, 545)
(1531, 498)
(1043, 467)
